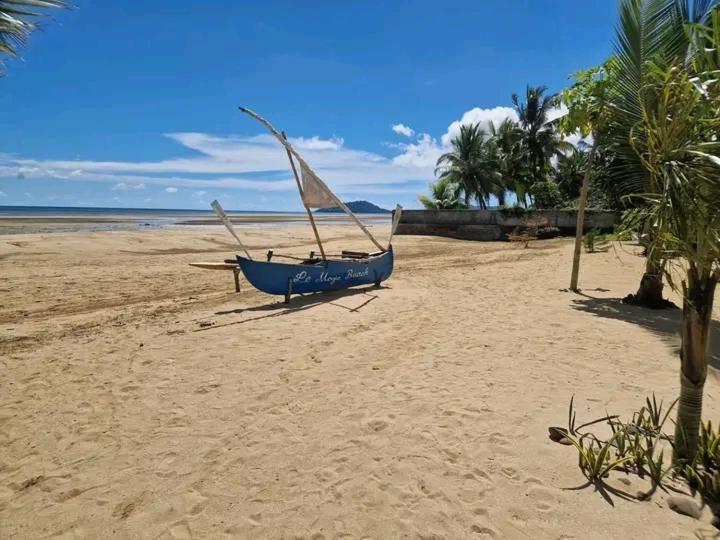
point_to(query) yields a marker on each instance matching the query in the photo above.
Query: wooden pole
(236, 275)
(302, 197)
(580, 225)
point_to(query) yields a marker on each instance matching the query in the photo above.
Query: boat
(314, 273)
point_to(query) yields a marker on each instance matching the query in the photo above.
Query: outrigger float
(313, 274)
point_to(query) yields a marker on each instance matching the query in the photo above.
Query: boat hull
(274, 277)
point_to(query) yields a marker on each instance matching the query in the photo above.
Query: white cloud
(402, 129)
(259, 163)
(316, 143)
(557, 112)
(28, 195)
(121, 186)
(424, 153)
(3, 194)
(479, 116)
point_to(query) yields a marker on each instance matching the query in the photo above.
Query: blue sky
(129, 104)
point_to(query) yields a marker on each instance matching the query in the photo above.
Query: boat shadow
(665, 323)
(301, 303)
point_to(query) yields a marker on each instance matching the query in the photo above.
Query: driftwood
(530, 231)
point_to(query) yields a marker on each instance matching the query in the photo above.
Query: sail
(315, 193)
(319, 195)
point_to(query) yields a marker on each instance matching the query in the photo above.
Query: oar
(223, 217)
(395, 221)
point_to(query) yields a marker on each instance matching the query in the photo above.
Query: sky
(134, 104)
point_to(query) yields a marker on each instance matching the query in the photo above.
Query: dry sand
(143, 398)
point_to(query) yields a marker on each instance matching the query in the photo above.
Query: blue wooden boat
(314, 274)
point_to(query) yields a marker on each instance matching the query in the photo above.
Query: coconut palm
(680, 154)
(539, 137)
(470, 165)
(17, 22)
(587, 103)
(444, 195)
(570, 172)
(647, 30)
(508, 160)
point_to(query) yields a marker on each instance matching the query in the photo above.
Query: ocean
(23, 219)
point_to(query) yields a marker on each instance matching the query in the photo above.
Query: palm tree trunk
(649, 294)
(580, 225)
(699, 294)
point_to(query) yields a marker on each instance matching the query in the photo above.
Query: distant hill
(357, 207)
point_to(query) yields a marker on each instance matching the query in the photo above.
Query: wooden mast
(302, 197)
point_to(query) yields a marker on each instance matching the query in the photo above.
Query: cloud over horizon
(258, 162)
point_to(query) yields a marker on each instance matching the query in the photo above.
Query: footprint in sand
(378, 424)
(179, 530)
(510, 473)
(501, 444)
(473, 489)
(124, 509)
(482, 531)
(543, 498)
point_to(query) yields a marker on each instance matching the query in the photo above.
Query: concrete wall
(492, 225)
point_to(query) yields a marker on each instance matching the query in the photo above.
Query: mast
(302, 197)
(303, 164)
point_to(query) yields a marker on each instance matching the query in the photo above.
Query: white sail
(315, 193)
(315, 183)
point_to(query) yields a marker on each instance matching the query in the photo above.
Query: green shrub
(546, 194)
(595, 241)
(516, 211)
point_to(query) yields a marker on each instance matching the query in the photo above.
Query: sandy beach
(143, 398)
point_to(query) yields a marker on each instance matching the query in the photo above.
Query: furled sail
(315, 193)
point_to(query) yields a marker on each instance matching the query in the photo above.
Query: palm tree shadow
(666, 324)
(301, 303)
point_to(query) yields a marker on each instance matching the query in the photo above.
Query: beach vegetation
(19, 19)
(546, 194)
(444, 194)
(539, 138)
(594, 241)
(470, 165)
(650, 33)
(638, 446)
(680, 152)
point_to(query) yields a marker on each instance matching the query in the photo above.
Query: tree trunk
(649, 294)
(699, 295)
(580, 225)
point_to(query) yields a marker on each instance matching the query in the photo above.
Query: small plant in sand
(639, 446)
(595, 241)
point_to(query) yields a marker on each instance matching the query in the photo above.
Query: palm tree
(470, 165)
(539, 138)
(587, 114)
(16, 22)
(570, 172)
(647, 31)
(508, 160)
(680, 154)
(444, 195)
